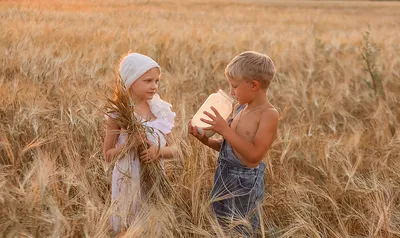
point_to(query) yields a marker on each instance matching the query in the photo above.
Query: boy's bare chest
(246, 125)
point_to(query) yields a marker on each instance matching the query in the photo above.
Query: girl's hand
(113, 152)
(193, 130)
(217, 122)
(151, 154)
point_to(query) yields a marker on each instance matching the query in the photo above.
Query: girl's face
(146, 86)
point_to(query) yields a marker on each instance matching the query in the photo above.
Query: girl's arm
(112, 133)
(154, 153)
(169, 151)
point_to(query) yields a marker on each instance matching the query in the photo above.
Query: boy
(239, 178)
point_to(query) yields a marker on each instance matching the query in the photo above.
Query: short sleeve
(162, 110)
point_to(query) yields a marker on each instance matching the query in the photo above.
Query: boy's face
(241, 90)
(146, 86)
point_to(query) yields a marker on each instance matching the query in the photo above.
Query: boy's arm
(253, 152)
(214, 144)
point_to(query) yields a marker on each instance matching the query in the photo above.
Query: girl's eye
(157, 81)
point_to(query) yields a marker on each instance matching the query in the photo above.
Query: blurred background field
(334, 170)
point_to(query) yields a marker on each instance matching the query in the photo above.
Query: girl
(140, 74)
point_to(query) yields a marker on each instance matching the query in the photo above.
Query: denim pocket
(246, 181)
(242, 184)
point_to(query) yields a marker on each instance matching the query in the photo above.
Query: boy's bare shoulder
(269, 121)
(270, 113)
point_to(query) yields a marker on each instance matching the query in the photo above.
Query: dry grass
(334, 170)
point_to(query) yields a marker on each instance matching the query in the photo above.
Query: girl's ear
(255, 85)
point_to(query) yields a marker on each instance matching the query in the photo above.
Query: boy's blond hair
(251, 65)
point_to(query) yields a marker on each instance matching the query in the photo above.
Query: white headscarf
(132, 67)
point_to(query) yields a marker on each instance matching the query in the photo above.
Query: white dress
(125, 183)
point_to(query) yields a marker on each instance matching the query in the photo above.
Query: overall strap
(240, 107)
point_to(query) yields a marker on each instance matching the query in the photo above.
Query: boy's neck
(260, 99)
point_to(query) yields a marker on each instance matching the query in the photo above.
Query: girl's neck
(142, 108)
(138, 101)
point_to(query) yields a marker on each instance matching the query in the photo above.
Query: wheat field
(333, 171)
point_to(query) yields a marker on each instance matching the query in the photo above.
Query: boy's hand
(217, 122)
(151, 154)
(193, 130)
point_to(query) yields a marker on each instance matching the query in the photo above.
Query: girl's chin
(150, 96)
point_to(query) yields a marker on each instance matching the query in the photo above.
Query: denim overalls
(237, 189)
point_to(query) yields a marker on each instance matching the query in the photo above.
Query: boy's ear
(255, 85)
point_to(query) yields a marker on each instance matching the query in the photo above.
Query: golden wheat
(334, 170)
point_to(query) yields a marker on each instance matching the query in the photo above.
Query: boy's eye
(157, 81)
